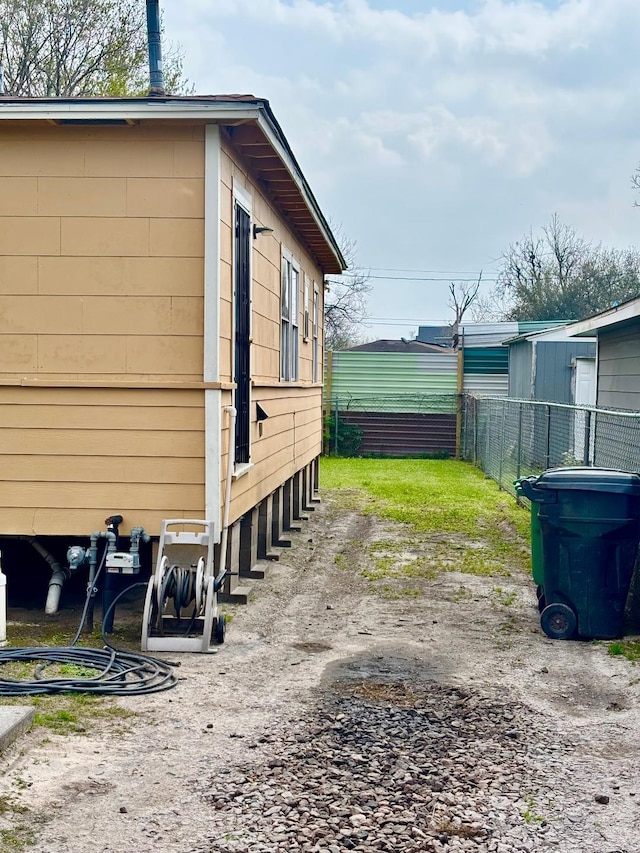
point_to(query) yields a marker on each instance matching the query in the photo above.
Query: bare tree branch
(462, 296)
(346, 301)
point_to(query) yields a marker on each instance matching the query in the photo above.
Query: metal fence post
(547, 455)
(475, 431)
(487, 464)
(587, 438)
(504, 411)
(519, 447)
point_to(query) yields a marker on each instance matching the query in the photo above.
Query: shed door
(242, 298)
(584, 394)
(585, 382)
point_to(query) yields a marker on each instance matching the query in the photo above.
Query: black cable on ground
(119, 673)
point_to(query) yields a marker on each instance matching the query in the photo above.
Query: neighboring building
(402, 345)
(486, 359)
(553, 367)
(161, 259)
(618, 372)
(440, 335)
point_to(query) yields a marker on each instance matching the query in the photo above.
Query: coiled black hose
(119, 673)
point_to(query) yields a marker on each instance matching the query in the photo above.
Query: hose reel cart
(181, 604)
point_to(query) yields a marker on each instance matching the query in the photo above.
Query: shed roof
(392, 345)
(557, 333)
(626, 312)
(251, 127)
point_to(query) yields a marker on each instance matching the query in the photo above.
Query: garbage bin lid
(590, 480)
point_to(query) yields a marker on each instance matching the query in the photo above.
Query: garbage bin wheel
(542, 601)
(558, 621)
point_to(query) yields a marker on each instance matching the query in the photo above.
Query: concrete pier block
(277, 537)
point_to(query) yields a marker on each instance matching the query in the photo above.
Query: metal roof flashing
(229, 110)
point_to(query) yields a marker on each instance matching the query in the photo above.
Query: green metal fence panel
(486, 360)
(389, 374)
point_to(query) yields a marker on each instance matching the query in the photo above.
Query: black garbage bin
(590, 529)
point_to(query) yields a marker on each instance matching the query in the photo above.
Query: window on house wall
(242, 331)
(316, 331)
(305, 308)
(289, 313)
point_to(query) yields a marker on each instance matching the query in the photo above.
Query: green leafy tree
(72, 48)
(559, 275)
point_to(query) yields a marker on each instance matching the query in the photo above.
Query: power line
(398, 321)
(475, 273)
(405, 278)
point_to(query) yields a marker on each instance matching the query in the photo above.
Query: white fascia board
(627, 311)
(558, 334)
(211, 367)
(98, 110)
(213, 458)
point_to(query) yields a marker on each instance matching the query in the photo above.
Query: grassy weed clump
(629, 649)
(17, 839)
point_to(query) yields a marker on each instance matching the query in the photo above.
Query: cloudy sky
(434, 134)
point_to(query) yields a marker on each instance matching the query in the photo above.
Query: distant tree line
(75, 48)
(557, 275)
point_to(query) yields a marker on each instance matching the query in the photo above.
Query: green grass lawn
(466, 522)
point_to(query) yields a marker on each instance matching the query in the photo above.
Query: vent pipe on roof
(156, 78)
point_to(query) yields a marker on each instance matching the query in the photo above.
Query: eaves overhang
(624, 313)
(251, 126)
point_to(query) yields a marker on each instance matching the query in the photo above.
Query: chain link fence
(391, 425)
(513, 438)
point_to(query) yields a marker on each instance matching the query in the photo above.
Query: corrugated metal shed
(392, 374)
(553, 368)
(495, 334)
(486, 334)
(486, 384)
(541, 368)
(528, 327)
(486, 360)
(520, 355)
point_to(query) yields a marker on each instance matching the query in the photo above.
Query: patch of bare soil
(336, 718)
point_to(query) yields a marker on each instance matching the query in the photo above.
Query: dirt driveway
(341, 717)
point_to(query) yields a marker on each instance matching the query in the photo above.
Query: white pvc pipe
(231, 461)
(3, 607)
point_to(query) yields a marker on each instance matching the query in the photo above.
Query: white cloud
(478, 120)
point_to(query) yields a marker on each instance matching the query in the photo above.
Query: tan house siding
(102, 291)
(101, 280)
(291, 438)
(292, 434)
(73, 456)
(113, 222)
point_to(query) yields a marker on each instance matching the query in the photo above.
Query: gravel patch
(392, 766)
